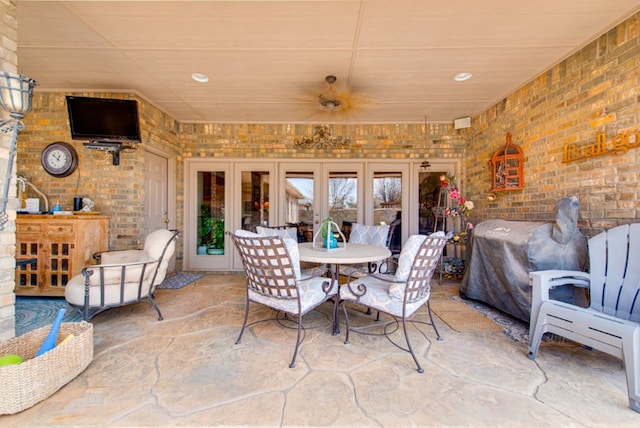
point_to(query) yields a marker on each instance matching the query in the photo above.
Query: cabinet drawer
(59, 229)
(29, 228)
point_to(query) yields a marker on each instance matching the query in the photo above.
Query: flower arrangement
(465, 207)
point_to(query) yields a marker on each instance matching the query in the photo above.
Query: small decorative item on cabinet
(506, 168)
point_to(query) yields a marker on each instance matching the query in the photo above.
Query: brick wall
(8, 62)
(591, 92)
(118, 190)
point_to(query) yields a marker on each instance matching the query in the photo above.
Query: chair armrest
(543, 281)
(118, 272)
(548, 279)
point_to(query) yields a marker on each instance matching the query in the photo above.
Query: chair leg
(438, 337)
(336, 316)
(154, 305)
(346, 322)
(631, 355)
(244, 323)
(295, 352)
(406, 337)
(535, 335)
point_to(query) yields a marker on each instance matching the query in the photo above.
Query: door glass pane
(387, 205)
(429, 191)
(211, 216)
(343, 200)
(255, 199)
(299, 203)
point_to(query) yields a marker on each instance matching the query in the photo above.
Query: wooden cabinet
(51, 249)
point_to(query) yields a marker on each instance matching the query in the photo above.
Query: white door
(159, 194)
(209, 190)
(156, 195)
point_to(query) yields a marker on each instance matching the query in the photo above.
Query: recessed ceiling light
(199, 77)
(461, 77)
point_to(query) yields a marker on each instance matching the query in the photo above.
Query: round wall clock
(59, 159)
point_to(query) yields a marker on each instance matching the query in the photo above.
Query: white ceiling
(267, 59)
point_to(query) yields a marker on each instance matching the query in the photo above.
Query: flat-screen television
(103, 119)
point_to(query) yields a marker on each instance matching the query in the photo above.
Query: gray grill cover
(504, 252)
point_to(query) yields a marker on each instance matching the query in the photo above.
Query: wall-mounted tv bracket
(113, 148)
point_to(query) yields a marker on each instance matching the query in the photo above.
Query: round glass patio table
(352, 254)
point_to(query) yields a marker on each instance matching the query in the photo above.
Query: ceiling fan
(332, 100)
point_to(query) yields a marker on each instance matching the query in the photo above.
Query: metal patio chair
(123, 277)
(403, 293)
(274, 279)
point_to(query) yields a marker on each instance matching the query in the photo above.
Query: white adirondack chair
(612, 322)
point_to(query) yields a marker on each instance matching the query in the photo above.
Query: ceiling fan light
(329, 102)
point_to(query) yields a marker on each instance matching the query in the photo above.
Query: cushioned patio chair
(123, 277)
(371, 235)
(306, 269)
(403, 293)
(611, 323)
(274, 279)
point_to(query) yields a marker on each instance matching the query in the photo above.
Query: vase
(332, 242)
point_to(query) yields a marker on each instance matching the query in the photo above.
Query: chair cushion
(74, 292)
(155, 242)
(291, 245)
(121, 256)
(311, 295)
(378, 296)
(246, 234)
(405, 263)
(113, 273)
(372, 235)
(407, 255)
(288, 232)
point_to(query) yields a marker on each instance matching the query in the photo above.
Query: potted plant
(211, 231)
(217, 237)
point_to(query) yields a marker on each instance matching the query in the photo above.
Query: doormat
(179, 280)
(462, 317)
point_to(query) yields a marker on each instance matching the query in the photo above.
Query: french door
(313, 191)
(231, 194)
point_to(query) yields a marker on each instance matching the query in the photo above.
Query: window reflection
(255, 199)
(211, 215)
(299, 203)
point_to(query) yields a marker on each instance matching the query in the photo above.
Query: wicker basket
(24, 385)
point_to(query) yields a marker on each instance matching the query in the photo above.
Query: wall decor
(321, 139)
(506, 167)
(59, 159)
(619, 145)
